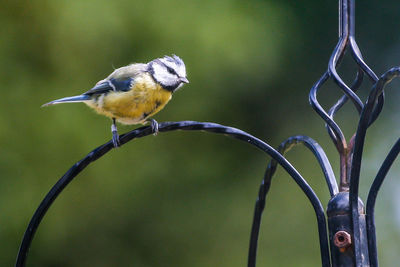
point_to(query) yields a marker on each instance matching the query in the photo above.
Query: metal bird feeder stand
(351, 240)
(352, 234)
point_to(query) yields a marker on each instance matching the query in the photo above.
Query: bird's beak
(184, 80)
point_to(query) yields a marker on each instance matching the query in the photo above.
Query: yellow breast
(145, 99)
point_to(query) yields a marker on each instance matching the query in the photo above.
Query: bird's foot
(115, 136)
(154, 126)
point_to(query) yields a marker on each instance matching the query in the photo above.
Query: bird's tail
(70, 99)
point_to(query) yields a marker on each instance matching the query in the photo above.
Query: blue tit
(134, 93)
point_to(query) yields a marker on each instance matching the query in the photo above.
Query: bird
(133, 93)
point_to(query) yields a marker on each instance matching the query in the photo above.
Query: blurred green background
(181, 198)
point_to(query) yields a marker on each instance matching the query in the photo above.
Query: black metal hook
(364, 122)
(165, 127)
(373, 193)
(323, 161)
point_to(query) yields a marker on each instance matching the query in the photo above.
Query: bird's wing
(112, 84)
(122, 79)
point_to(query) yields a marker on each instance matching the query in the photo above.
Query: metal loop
(284, 147)
(339, 139)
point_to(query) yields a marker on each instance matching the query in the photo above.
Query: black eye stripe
(170, 70)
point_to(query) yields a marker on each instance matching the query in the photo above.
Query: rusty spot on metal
(342, 240)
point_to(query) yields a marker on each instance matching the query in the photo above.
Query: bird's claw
(154, 126)
(115, 136)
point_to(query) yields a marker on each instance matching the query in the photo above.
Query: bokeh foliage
(179, 199)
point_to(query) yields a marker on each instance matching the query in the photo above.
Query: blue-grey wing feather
(122, 79)
(111, 85)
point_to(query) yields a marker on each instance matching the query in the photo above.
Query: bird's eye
(171, 70)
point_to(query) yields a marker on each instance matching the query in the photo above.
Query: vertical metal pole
(340, 17)
(341, 233)
(349, 246)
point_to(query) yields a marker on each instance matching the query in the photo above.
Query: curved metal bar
(346, 29)
(340, 141)
(164, 127)
(373, 192)
(365, 118)
(343, 152)
(377, 109)
(354, 98)
(344, 33)
(322, 159)
(355, 86)
(357, 56)
(284, 147)
(339, 104)
(363, 68)
(356, 53)
(339, 52)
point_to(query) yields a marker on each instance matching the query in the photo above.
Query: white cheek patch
(162, 75)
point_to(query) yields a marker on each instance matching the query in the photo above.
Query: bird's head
(169, 72)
